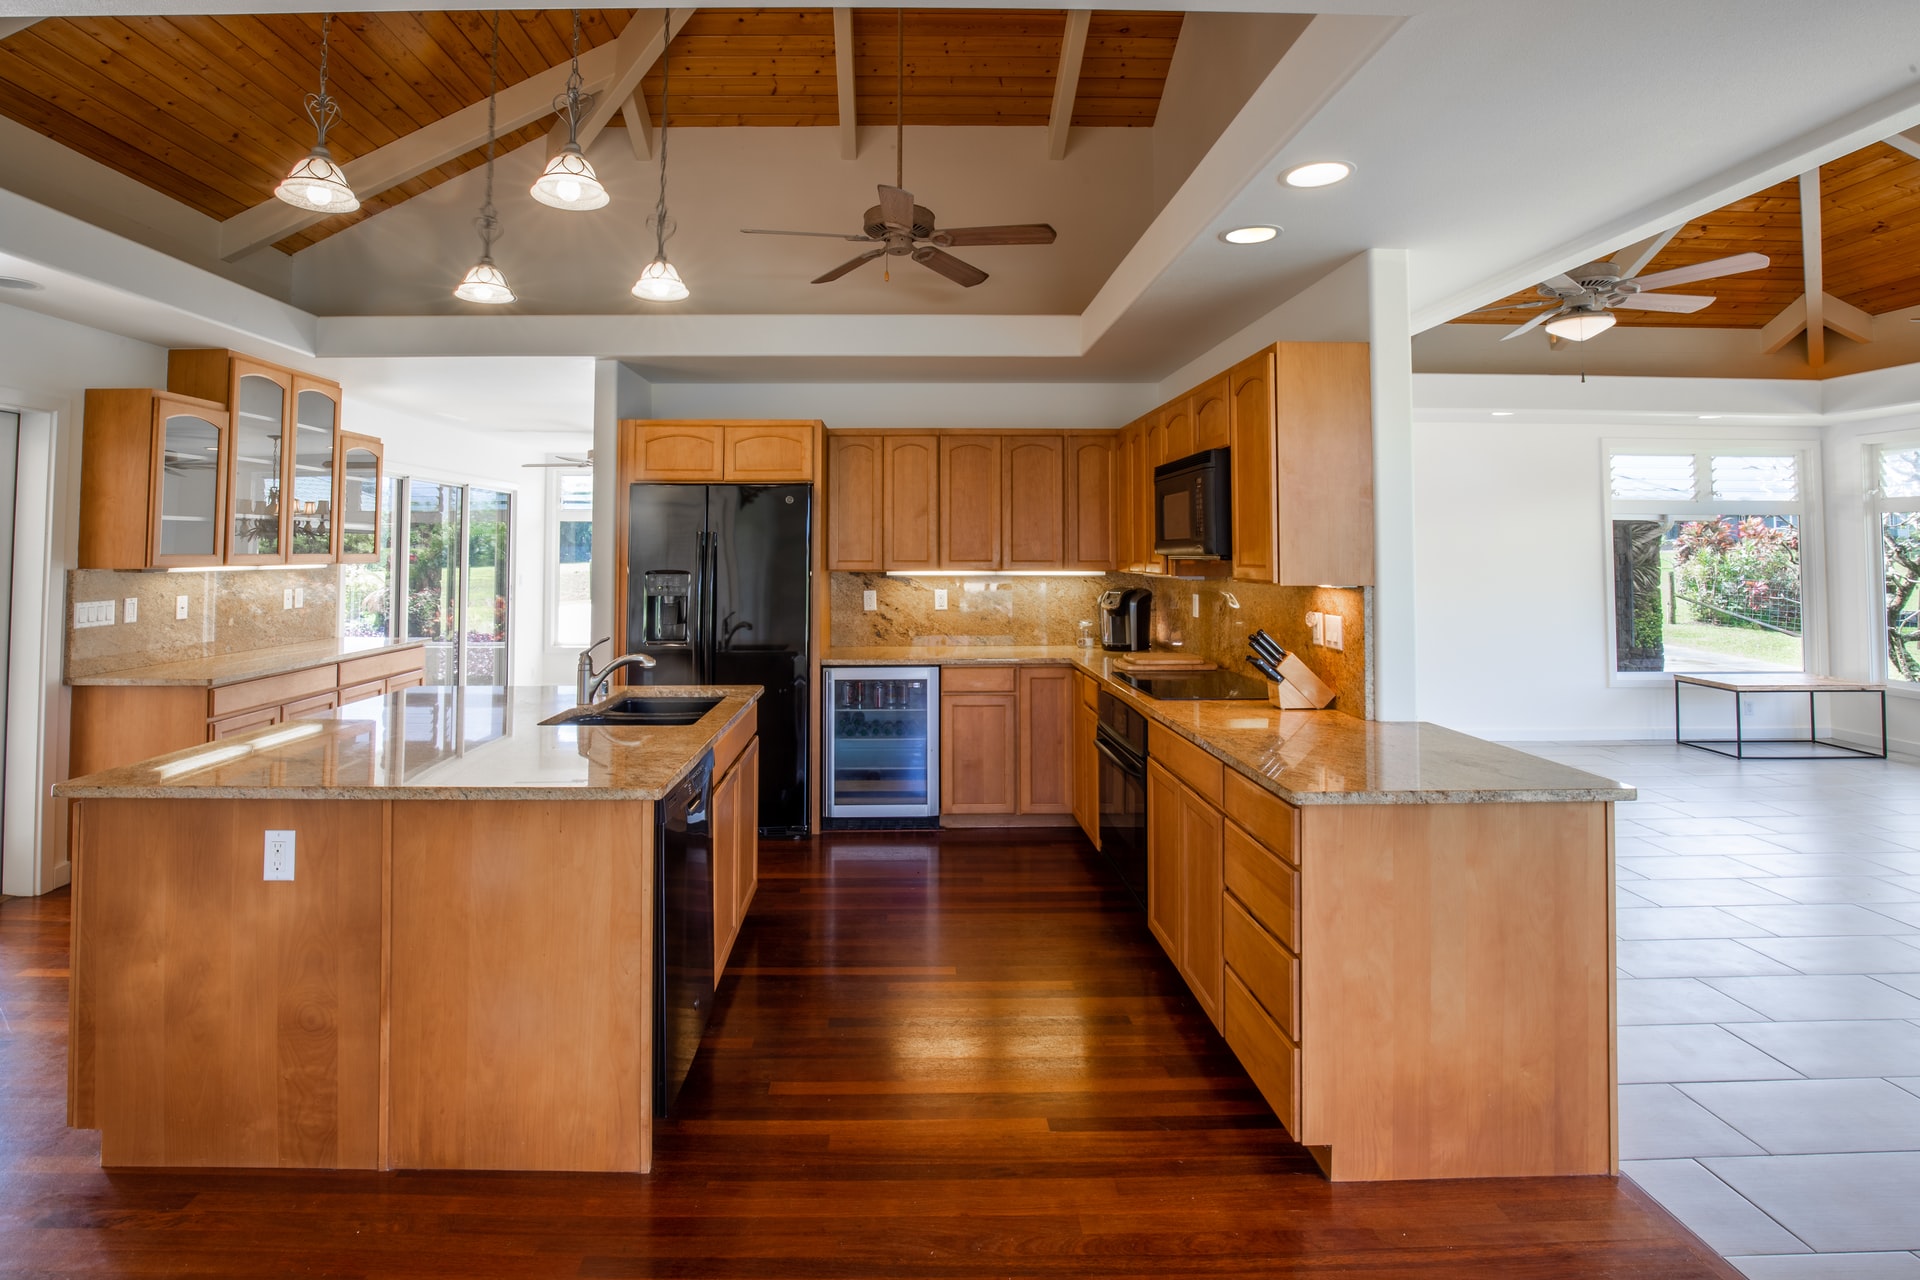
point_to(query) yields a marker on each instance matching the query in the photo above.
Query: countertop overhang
(251, 664)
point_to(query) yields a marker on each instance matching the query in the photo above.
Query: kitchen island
(1403, 932)
(456, 971)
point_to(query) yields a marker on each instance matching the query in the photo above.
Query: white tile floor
(1769, 957)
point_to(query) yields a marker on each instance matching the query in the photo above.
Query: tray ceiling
(208, 109)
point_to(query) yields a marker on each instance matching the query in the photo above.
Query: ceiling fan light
(1259, 234)
(484, 282)
(659, 282)
(317, 184)
(569, 182)
(1319, 173)
(1578, 326)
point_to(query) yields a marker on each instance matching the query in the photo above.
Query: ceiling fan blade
(1023, 233)
(1561, 281)
(896, 208)
(1664, 302)
(1733, 266)
(1515, 306)
(961, 273)
(1528, 327)
(849, 265)
(824, 235)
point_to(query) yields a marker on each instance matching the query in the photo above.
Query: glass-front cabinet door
(189, 480)
(358, 484)
(310, 488)
(261, 399)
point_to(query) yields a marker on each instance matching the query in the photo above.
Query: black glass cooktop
(1197, 686)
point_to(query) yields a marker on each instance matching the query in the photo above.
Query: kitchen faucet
(590, 683)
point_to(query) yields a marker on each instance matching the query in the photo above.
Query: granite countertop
(427, 743)
(1304, 757)
(252, 664)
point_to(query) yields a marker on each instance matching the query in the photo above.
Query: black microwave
(1192, 511)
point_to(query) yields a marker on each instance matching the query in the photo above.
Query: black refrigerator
(719, 591)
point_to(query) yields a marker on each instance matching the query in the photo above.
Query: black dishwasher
(682, 930)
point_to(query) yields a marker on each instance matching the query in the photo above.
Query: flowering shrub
(1744, 574)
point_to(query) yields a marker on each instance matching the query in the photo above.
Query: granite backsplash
(992, 610)
(228, 611)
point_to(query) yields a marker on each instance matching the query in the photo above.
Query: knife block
(1303, 691)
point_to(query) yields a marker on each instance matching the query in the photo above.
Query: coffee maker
(1126, 619)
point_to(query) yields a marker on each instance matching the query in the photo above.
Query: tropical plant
(1743, 573)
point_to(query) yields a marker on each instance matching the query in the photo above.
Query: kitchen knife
(1265, 645)
(1266, 669)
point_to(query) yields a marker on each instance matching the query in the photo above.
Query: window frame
(550, 595)
(1806, 451)
(1878, 506)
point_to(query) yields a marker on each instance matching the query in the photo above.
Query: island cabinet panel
(855, 524)
(1250, 419)
(257, 1041)
(1089, 514)
(979, 752)
(1211, 415)
(1033, 494)
(910, 495)
(736, 851)
(768, 452)
(516, 927)
(970, 501)
(112, 725)
(1046, 740)
(693, 452)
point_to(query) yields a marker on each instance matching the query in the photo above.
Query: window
(1897, 491)
(571, 617)
(1705, 549)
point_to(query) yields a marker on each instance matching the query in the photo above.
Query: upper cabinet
(262, 400)
(1033, 516)
(970, 501)
(1250, 415)
(189, 446)
(768, 452)
(854, 523)
(358, 461)
(1176, 431)
(152, 476)
(1089, 515)
(1211, 416)
(717, 452)
(910, 501)
(314, 483)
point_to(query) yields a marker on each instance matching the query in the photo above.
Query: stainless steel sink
(636, 710)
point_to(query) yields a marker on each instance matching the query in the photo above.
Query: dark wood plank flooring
(938, 1056)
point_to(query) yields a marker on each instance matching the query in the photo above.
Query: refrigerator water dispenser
(668, 606)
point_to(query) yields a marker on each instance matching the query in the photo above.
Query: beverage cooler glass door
(882, 742)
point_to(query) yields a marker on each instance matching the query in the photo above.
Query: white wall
(1853, 559)
(1002, 406)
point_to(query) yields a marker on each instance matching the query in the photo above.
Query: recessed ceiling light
(1503, 413)
(1708, 417)
(1320, 173)
(1250, 235)
(15, 282)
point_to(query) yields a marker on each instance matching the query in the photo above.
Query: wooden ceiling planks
(1870, 247)
(208, 109)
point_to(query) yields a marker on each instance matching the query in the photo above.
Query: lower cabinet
(736, 850)
(1085, 755)
(1184, 870)
(1006, 740)
(979, 733)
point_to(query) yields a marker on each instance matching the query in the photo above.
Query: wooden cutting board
(1146, 662)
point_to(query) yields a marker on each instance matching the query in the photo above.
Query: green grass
(1769, 647)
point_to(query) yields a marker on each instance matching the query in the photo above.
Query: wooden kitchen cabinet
(1033, 489)
(152, 480)
(1126, 498)
(361, 460)
(768, 452)
(1086, 757)
(856, 530)
(1250, 415)
(1185, 840)
(689, 452)
(1046, 739)
(724, 811)
(1176, 432)
(1211, 415)
(979, 741)
(910, 501)
(312, 484)
(1089, 515)
(970, 501)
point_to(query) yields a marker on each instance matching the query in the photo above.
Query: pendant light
(485, 282)
(317, 183)
(658, 281)
(569, 182)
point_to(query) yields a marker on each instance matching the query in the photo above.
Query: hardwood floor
(942, 1056)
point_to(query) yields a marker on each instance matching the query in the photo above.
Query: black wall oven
(1121, 739)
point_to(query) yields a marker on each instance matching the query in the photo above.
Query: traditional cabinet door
(1153, 441)
(1323, 463)
(1126, 499)
(685, 451)
(1033, 494)
(979, 747)
(724, 811)
(1176, 431)
(1089, 516)
(358, 485)
(747, 879)
(1166, 897)
(1086, 770)
(854, 526)
(262, 406)
(768, 452)
(312, 486)
(910, 501)
(1250, 415)
(189, 483)
(1046, 744)
(970, 501)
(1202, 846)
(1210, 415)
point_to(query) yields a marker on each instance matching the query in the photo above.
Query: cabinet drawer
(1268, 970)
(226, 728)
(378, 666)
(272, 691)
(360, 692)
(976, 679)
(1187, 762)
(1268, 888)
(318, 702)
(735, 740)
(1270, 820)
(1264, 1050)
(405, 680)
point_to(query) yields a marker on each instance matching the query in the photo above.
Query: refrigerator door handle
(711, 568)
(696, 631)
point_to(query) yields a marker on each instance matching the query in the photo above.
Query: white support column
(1813, 258)
(843, 73)
(639, 126)
(1066, 82)
(1390, 335)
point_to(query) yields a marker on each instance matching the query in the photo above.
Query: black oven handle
(1129, 764)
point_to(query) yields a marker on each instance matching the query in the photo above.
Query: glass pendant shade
(1578, 326)
(569, 182)
(484, 283)
(318, 184)
(660, 283)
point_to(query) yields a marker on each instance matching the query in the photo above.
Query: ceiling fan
(904, 229)
(566, 461)
(1581, 302)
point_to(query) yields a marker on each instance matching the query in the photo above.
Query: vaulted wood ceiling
(208, 109)
(1870, 242)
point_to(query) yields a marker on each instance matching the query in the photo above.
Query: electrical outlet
(939, 597)
(1196, 604)
(870, 600)
(279, 859)
(1335, 628)
(92, 613)
(179, 608)
(286, 598)
(132, 612)
(299, 597)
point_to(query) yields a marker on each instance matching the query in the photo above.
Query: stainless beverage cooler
(881, 740)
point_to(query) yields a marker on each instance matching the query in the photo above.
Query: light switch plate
(286, 598)
(132, 611)
(870, 600)
(939, 597)
(1196, 604)
(1334, 627)
(279, 856)
(299, 597)
(92, 613)
(179, 607)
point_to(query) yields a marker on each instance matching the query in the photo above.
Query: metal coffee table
(1811, 747)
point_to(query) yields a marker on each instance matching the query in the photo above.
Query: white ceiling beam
(843, 72)
(1842, 317)
(1846, 319)
(1813, 260)
(1908, 142)
(1066, 81)
(1634, 259)
(640, 45)
(1785, 327)
(639, 126)
(12, 26)
(408, 157)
